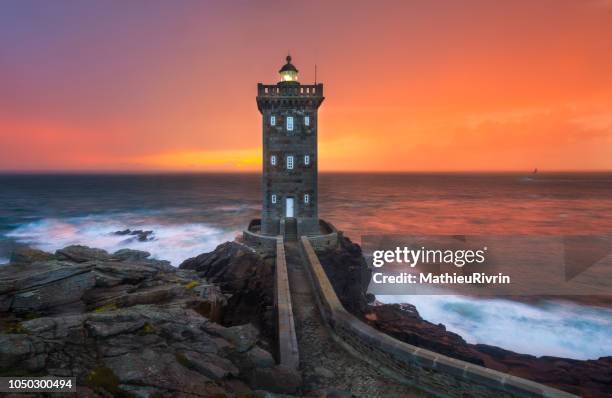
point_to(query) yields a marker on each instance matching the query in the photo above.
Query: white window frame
(273, 198)
(289, 123)
(307, 160)
(290, 162)
(273, 160)
(306, 198)
(272, 120)
(307, 120)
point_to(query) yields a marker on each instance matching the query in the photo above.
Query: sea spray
(554, 328)
(172, 242)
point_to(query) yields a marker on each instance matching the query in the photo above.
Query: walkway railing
(288, 354)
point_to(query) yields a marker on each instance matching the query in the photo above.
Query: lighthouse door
(289, 207)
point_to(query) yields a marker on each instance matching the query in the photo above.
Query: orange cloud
(219, 160)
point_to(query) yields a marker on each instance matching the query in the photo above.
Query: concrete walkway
(324, 364)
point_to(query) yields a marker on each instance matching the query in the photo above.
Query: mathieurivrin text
(412, 257)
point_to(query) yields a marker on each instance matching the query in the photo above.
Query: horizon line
(157, 172)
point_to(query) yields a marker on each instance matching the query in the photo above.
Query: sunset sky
(409, 85)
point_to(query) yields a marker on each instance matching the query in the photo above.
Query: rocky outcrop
(244, 274)
(349, 274)
(403, 322)
(139, 234)
(124, 324)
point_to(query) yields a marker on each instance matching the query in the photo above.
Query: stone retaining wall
(288, 354)
(259, 241)
(328, 240)
(435, 373)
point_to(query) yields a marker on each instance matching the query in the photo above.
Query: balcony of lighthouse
(290, 90)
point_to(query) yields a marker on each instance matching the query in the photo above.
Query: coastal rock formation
(403, 322)
(247, 276)
(349, 275)
(127, 325)
(139, 234)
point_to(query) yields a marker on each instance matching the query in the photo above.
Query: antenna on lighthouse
(315, 74)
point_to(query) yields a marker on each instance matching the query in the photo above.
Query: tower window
(306, 160)
(290, 162)
(289, 123)
(272, 120)
(306, 198)
(307, 120)
(273, 199)
(273, 160)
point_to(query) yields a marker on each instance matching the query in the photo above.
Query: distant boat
(532, 176)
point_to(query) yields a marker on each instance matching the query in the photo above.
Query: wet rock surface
(127, 325)
(140, 235)
(591, 378)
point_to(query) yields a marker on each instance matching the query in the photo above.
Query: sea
(189, 214)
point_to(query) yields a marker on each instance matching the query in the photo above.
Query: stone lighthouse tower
(289, 124)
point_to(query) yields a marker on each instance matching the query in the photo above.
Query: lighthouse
(290, 162)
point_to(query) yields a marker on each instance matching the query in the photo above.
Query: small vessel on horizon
(532, 176)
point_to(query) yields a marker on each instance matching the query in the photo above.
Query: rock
(112, 327)
(17, 348)
(130, 255)
(142, 236)
(323, 372)
(81, 254)
(404, 323)
(348, 272)
(259, 358)
(277, 380)
(243, 337)
(49, 285)
(66, 327)
(268, 394)
(247, 276)
(156, 369)
(27, 255)
(130, 273)
(339, 394)
(210, 365)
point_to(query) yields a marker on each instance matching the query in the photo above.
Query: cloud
(202, 160)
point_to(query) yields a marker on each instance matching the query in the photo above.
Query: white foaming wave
(172, 242)
(4, 261)
(237, 208)
(555, 328)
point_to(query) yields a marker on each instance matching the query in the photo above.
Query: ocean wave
(553, 328)
(238, 208)
(172, 242)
